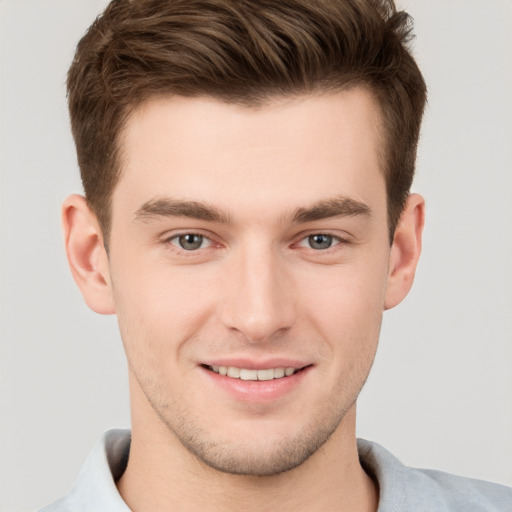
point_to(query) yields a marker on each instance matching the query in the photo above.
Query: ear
(405, 251)
(87, 256)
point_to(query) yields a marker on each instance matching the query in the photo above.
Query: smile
(247, 374)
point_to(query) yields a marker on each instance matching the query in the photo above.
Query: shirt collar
(95, 488)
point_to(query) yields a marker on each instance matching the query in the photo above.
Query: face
(252, 242)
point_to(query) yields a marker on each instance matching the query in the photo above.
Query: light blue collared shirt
(401, 489)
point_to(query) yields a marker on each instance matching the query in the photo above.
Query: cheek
(159, 307)
(349, 292)
(347, 309)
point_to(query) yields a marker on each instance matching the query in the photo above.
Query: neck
(162, 476)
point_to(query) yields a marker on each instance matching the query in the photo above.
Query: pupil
(190, 242)
(320, 241)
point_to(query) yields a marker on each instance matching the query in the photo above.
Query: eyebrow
(324, 209)
(328, 208)
(168, 207)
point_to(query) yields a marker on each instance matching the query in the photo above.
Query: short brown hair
(242, 51)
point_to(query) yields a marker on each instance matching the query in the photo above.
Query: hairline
(254, 102)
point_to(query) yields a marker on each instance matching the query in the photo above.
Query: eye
(320, 241)
(190, 241)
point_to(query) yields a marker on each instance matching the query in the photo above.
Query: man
(247, 168)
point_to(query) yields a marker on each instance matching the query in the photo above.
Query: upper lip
(254, 364)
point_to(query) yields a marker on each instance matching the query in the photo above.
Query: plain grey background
(440, 392)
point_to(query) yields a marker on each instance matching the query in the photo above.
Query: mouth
(252, 374)
(252, 382)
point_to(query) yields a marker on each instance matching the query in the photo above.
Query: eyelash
(334, 238)
(337, 240)
(188, 251)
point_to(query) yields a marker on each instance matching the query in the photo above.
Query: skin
(256, 184)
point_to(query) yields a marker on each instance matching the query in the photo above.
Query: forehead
(290, 150)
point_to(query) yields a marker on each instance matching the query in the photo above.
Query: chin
(257, 453)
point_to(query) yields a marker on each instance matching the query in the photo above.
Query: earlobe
(405, 251)
(86, 254)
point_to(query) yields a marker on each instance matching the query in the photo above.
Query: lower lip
(258, 391)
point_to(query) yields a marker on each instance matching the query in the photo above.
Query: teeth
(234, 372)
(265, 374)
(245, 374)
(248, 374)
(278, 373)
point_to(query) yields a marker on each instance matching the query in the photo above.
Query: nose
(259, 301)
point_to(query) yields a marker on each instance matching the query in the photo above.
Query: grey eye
(320, 241)
(190, 241)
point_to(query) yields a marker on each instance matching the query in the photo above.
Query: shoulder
(464, 492)
(403, 488)
(95, 489)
